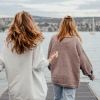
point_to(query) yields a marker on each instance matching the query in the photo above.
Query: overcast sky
(50, 8)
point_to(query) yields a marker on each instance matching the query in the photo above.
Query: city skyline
(51, 8)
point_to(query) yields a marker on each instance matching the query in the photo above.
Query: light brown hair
(67, 27)
(23, 33)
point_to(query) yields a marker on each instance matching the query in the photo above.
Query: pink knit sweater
(65, 70)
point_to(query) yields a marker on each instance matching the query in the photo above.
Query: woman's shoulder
(76, 39)
(39, 45)
(54, 37)
(4, 45)
(3, 48)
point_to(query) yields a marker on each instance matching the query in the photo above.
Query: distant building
(52, 24)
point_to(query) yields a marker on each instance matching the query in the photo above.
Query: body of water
(91, 45)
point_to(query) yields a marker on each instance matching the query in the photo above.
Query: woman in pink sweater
(65, 70)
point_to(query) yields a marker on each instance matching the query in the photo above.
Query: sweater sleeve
(2, 65)
(85, 64)
(49, 51)
(39, 60)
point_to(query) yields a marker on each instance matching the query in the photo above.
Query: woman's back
(65, 69)
(25, 78)
(19, 62)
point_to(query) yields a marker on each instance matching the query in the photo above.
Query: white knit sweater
(25, 73)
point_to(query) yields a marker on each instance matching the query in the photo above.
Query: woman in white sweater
(23, 59)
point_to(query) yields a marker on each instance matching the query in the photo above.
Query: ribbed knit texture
(24, 73)
(65, 70)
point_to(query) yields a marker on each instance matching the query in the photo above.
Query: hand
(53, 56)
(92, 77)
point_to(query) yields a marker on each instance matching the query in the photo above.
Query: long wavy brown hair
(23, 33)
(67, 28)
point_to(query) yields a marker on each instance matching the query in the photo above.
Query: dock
(84, 92)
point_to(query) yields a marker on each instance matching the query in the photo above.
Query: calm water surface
(91, 45)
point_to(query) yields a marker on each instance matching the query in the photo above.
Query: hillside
(52, 24)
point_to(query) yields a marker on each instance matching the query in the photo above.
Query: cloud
(11, 9)
(51, 8)
(15, 1)
(30, 1)
(45, 1)
(90, 5)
